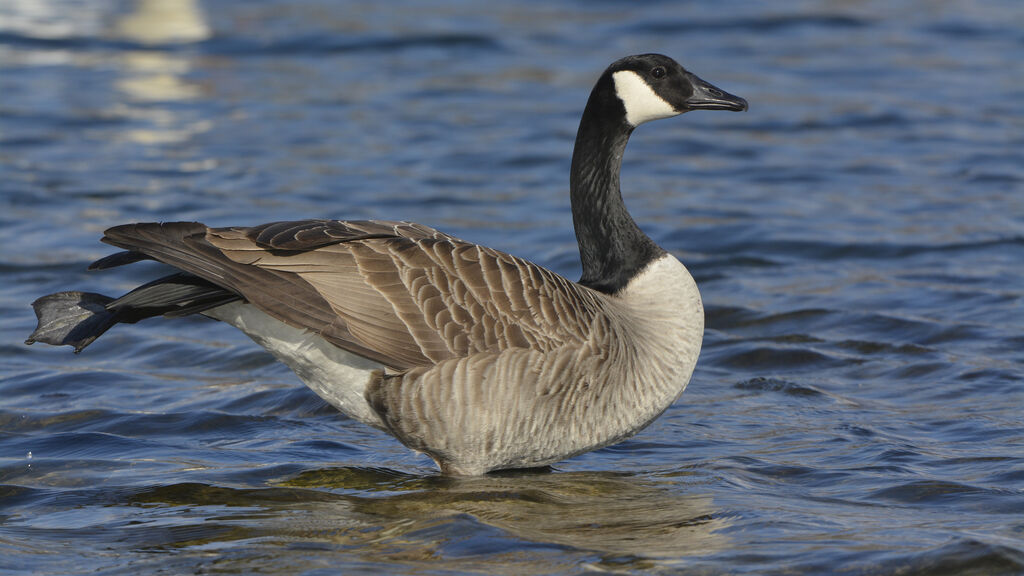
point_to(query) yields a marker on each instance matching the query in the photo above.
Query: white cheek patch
(642, 104)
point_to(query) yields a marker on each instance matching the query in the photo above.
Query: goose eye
(658, 71)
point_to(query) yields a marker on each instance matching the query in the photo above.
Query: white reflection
(51, 19)
(155, 76)
(164, 22)
(149, 75)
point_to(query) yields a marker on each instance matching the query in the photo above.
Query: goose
(481, 360)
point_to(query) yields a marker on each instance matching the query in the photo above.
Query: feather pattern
(402, 293)
(501, 409)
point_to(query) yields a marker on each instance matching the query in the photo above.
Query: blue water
(858, 237)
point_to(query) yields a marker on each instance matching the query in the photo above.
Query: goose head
(652, 86)
(630, 92)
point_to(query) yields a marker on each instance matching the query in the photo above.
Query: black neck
(613, 249)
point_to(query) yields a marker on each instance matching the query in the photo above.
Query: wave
(244, 46)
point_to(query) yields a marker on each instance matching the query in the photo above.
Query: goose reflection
(386, 516)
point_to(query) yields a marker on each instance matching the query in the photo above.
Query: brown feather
(398, 293)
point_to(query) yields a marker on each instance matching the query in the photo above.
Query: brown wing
(399, 293)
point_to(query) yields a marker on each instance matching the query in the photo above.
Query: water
(857, 236)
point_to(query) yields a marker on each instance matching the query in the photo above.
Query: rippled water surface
(858, 237)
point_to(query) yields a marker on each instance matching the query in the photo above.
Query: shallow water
(857, 235)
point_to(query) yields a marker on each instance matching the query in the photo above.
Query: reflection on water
(385, 516)
(510, 524)
(164, 22)
(51, 19)
(152, 76)
(148, 72)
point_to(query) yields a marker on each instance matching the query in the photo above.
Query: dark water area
(857, 235)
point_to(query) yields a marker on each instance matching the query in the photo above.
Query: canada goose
(479, 359)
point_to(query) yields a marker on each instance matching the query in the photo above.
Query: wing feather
(402, 294)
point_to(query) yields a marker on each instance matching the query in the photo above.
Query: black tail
(78, 318)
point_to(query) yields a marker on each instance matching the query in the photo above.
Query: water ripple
(759, 24)
(244, 46)
(856, 237)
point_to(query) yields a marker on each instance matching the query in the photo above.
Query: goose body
(480, 359)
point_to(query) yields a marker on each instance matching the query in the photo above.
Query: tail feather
(78, 318)
(118, 259)
(72, 318)
(179, 294)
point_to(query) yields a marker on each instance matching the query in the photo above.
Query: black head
(653, 86)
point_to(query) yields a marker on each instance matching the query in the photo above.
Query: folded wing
(399, 293)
